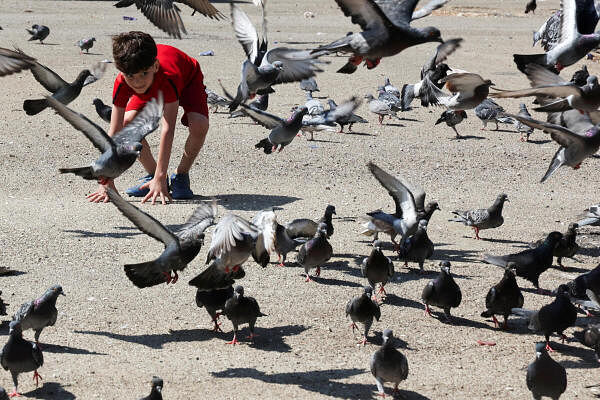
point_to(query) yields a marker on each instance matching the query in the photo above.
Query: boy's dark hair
(133, 51)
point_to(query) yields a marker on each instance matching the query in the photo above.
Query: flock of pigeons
(572, 118)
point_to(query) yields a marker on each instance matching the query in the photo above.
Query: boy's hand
(158, 188)
(100, 195)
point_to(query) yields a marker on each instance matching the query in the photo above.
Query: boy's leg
(198, 127)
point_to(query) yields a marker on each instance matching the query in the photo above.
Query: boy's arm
(158, 184)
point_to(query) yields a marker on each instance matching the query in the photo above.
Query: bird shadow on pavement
(252, 202)
(50, 390)
(392, 124)
(507, 241)
(398, 301)
(461, 137)
(587, 356)
(322, 141)
(538, 141)
(589, 251)
(454, 255)
(358, 133)
(92, 54)
(272, 339)
(345, 266)
(157, 341)
(127, 233)
(57, 348)
(547, 293)
(570, 269)
(461, 321)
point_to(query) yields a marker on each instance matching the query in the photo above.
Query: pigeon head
(329, 210)
(83, 75)
(157, 383)
(432, 205)
(592, 81)
(369, 97)
(97, 102)
(322, 229)
(301, 111)
(553, 238)
(277, 65)
(422, 224)
(502, 197)
(14, 328)
(239, 291)
(445, 266)
(573, 227)
(367, 291)
(432, 34)
(377, 244)
(562, 290)
(510, 269)
(387, 335)
(540, 348)
(55, 290)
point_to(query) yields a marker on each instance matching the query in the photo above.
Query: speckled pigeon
(483, 218)
(452, 118)
(39, 313)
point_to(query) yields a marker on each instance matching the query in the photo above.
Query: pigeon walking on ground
(524, 130)
(309, 85)
(530, 6)
(85, 44)
(344, 120)
(388, 364)
(215, 100)
(490, 111)
(181, 247)
(40, 313)
(442, 292)
(483, 218)
(242, 310)
(391, 89)
(363, 309)
(104, 111)
(590, 336)
(566, 247)
(213, 301)
(452, 118)
(417, 247)
(377, 268)
(314, 106)
(307, 228)
(591, 216)
(156, 389)
(503, 297)
(316, 252)
(381, 108)
(38, 32)
(530, 263)
(19, 355)
(120, 151)
(545, 377)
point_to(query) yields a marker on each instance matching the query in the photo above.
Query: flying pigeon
(490, 111)
(307, 228)
(346, 119)
(12, 62)
(38, 32)
(309, 85)
(120, 151)
(39, 313)
(104, 111)
(214, 277)
(591, 216)
(567, 246)
(545, 377)
(388, 364)
(503, 297)
(164, 14)
(232, 242)
(273, 238)
(377, 268)
(181, 247)
(156, 390)
(85, 44)
(242, 310)
(417, 247)
(363, 309)
(315, 252)
(215, 100)
(213, 300)
(261, 103)
(483, 218)
(467, 90)
(19, 355)
(442, 292)
(452, 118)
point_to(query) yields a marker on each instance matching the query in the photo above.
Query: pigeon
(390, 99)
(215, 100)
(342, 114)
(273, 238)
(85, 44)
(156, 391)
(490, 111)
(120, 151)
(61, 90)
(554, 317)
(442, 292)
(363, 309)
(585, 285)
(214, 277)
(549, 32)
(591, 216)
(576, 39)
(567, 246)
(2, 307)
(391, 89)
(503, 297)
(242, 310)
(530, 6)
(38, 32)
(164, 14)
(315, 252)
(214, 300)
(575, 146)
(39, 313)
(307, 228)
(417, 247)
(452, 118)
(530, 263)
(346, 119)
(377, 268)
(381, 108)
(580, 76)
(104, 111)
(12, 62)
(590, 336)
(525, 130)
(467, 90)
(19, 355)
(314, 106)
(309, 85)
(409, 200)
(181, 247)
(261, 103)
(388, 364)
(483, 218)
(545, 377)
(232, 242)
(263, 68)
(386, 32)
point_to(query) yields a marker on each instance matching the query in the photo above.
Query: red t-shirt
(176, 71)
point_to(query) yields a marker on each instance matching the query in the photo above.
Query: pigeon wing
(164, 14)
(204, 7)
(405, 203)
(229, 229)
(203, 217)
(47, 78)
(14, 61)
(245, 32)
(428, 8)
(144, 123)
(297, 64)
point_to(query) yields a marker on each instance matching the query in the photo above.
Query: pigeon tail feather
(33, 107)
(84, 172)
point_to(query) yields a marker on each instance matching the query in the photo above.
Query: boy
(146, 68)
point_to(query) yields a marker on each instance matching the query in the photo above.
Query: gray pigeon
(181, 247)
(503, 297)
(591, 216)
(363, 309)
(391, 89)
(309, 85)
(120, 151)
(417, 247)
(381, 108)
(483, 218)
(590, 336)
(316, 252)
(442, 291)
(12, 62)
(522, 128)
(452, 118)
(346, 119)
(307, 228)
(242, 310)
(545, 377)
(104, 111)
(314, 106)
(19, 355)
(386, 32)
(38, 32)
(215, 100)
(388, 364)
(261, 103)
(85, 44)
(342, 114)
(490, 111)
(39, 313)
(390, 99)
(164, 14)
(273, 238)
(156, 391)
(377, 268)
(213, 300)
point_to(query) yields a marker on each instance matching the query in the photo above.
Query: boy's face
(141, 81)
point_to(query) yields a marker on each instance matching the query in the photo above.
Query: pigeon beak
(63, 293)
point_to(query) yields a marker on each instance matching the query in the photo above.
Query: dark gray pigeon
(363, 309)
(12, 62)
(309, 85)
(215, 100)
(19, 355)
(213, 300)
(242, 310)
(39, 313)
(530, 6)
(442, 292)
(530, 263)
(417, 247)
(2, 306)
(452, 118)
(522, 128)
(388, 364)
(483, 218)
(377, 268)
(164, 14)
(503, 297)
(554, 317)
(566, 247)
(85, 44)
(490, 111)
(590, 336)
(120, 151)
(346, 119)
(585, 285)
(316, 252)
(261, 103)
(104, 111)
(545, 377)
(591, 216)
(181, 247)
(38, 32)
(156, 391)
(307, 228)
